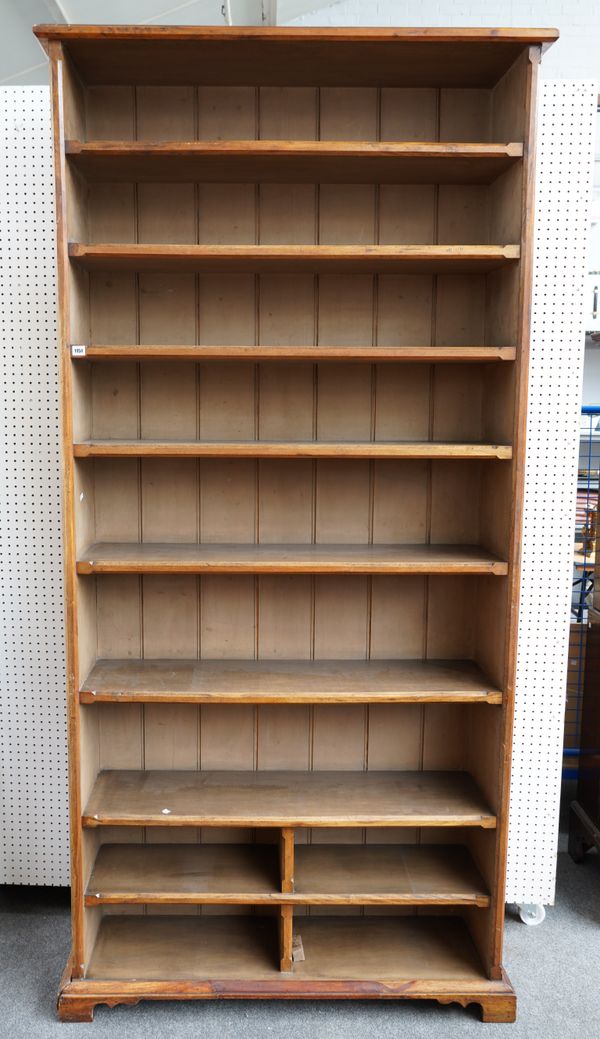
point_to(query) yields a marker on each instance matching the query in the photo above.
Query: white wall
(575, 55)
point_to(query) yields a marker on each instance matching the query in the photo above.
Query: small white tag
(78, 350)
(297, 949)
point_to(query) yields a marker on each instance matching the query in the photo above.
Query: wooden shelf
(288, 681)
(275, 798)
(337, 162)
(313, 354)
(286, 449)
(398, 949)
(325, 874)
(279, 56)
(184, 874)
(173, 558)
(276, 259)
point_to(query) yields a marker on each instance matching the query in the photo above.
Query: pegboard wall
(33, 814)
(567, 110)
(33, 746)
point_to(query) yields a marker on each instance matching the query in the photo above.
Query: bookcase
(294, 271)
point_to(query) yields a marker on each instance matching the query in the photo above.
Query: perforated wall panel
(33, 751)
(33, 761)
(563, 194)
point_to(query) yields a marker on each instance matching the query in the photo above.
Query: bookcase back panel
(294, 617)
(273, 501)
(277, 401)
(279, 309)
(166, 113)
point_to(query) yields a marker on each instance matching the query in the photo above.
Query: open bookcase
(294, 271)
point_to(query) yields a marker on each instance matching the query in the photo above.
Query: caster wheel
(532, 915)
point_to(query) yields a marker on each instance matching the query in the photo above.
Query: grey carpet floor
(555, 968)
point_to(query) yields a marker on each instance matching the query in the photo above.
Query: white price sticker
(78, 350)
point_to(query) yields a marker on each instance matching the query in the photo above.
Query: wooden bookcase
(294, 272)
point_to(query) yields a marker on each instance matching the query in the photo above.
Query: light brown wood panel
(228, 737)
(226, 113)
(285, 405)
(160, 385)
(338, 742)
(166, 213)
(82, 401)
(394, 736)
(167, 308)
(115, 401)
(110, 113)
(84, 495)
(119, 616)
(345, 310)
(285, 501)
(401, 502)
(87, 638)
(73, 100)
(171, 736)
(90, 747)
(397, 617)
(460, 310)
(509, 114)
(344, 402)
(169, 495)
(458, 402)
(465, 114)
(111, 213)
(348, 114)
(165, 113)
(227, 402)
(461, 483)
(491, 626)
(402, 402)
(284, 617)
(117, 499)
(228, 617)
(288, 112)
(347, 214)
(113, 308)
(227, 214)
(287, 310)
(120, 736)
(484, 751)
(341, 617)
(228, 510)
(404, 309)
(451, 617)
(499, 404)
(496, 490)
(407, 214)
(445, 737)
(343, 502)
(287, 214)
(505, 212)
(170, 616)
(409, 114)
(283, 737)
(465, 215)
(226, 305)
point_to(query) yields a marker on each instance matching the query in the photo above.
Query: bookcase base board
(78, 998)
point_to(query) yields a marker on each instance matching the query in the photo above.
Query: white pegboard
(33, 747)
(33, 814)
(567, 110)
